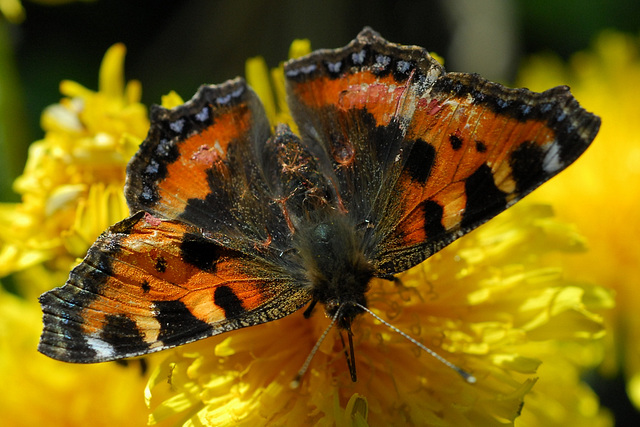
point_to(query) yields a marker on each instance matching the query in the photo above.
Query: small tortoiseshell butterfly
(235, 225)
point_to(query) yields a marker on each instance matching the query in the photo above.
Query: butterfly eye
(332, 306)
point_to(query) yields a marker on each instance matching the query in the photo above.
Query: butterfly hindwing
(149, 284)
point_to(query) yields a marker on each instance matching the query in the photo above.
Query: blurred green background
(178, 45)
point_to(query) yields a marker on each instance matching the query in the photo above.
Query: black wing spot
(481, 147)
(225, 298)
(161, 265)
(456, 142)
(123, 334)
(420, 161)
(484, 199)
(526, 166)
(200, 252)
(177, 324)
(433, 213)
(145, 286)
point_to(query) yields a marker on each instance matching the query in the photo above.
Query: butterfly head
(347, 312)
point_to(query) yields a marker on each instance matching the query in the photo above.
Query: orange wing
(148, 284)
(477, 148)
(213, 163)
(420, 156)
(184, 144)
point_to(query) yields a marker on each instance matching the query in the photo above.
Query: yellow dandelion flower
(604, 186)
(71, 187)
(490, 303)
(71, 191)
(39, 391)
(559, 398)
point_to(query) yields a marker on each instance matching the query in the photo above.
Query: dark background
(178, 45)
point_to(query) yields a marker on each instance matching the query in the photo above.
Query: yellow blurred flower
(72, 184)
(490, 303)
(12, 10)
(269, 85)
(601, 193)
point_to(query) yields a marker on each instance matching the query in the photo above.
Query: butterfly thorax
(335, 266)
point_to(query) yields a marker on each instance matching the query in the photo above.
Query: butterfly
(235, 224)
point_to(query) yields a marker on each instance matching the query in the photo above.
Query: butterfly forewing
(421, 156)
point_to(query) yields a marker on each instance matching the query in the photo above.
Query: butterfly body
(336, 266)
(235, 224)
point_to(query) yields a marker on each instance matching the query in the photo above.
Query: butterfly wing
(219, 199)
(149, 284)
(214, 163)
(479, 148)
(352, 107)
(421, 156)
(197, 164)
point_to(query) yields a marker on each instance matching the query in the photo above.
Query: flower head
(72, 184)
(269, 85)
(71, 191)
(600, 193)
(489, 303)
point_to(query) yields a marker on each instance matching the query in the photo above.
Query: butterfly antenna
(464, 374)
(296, 381)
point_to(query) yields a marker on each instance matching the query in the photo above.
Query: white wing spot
(103, 350)
(358, 57)
(163, 147)
(147, 193)
(152, 167)
(203, 115)
(223, 99)
(551, 163)
(403, 66)
(177, 126)
(382, 61)
(334, 67)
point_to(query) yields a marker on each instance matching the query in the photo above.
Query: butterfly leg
(396, 280)
(307, 313)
